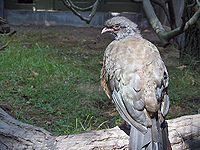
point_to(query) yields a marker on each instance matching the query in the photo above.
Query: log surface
(184, 134)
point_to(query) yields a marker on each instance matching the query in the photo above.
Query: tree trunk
(190, 47)
(184, 133)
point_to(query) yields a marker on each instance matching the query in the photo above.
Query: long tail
(156, 137)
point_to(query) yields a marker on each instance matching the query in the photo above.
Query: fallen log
(184, 133)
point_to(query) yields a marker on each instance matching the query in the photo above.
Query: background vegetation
(49, 77)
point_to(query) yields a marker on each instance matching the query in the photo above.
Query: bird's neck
(129, 35)
(126, 33)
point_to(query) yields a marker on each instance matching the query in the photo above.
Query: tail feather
(156, 137)
(138, 140)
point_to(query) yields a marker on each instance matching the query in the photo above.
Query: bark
(172, 14)
(184, 133)
(154, 21)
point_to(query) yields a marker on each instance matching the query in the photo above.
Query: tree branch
(153, 20)
(163, 35)
(74, 9)
(183, 134)
(171, 14)
(162, 4)
(198, 2)
(79, 8)
(185, 25)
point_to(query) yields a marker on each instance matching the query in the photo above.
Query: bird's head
(121, 27)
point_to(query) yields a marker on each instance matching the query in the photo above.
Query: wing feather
(136, 79)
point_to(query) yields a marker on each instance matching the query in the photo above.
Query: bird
(135, 78)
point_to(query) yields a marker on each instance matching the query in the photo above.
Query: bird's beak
(105, 29)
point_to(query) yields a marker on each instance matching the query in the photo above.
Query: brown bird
(135, 78)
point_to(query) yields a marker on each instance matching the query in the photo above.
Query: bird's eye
(117, 26)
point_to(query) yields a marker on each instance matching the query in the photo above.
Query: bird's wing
(132, 76)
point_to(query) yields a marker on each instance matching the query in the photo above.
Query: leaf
(182, 67)
(35, 73)
(48, 123)
(193, 82)
(32, 86)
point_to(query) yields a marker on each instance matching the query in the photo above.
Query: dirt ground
(69, 36)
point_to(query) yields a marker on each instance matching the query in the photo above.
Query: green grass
(57, 87)
(51, 89)
(184, 91)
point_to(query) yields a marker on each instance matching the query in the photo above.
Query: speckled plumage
(135, 78)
